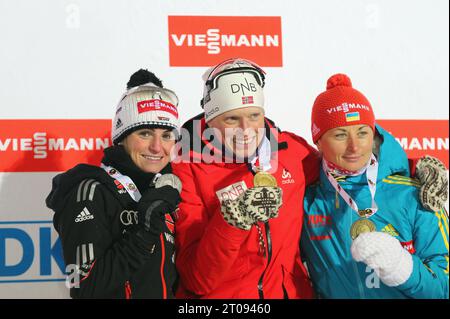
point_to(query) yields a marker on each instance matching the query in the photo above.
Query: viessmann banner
(420, 137)
(207, 40)
(51, 145)
(58, 145)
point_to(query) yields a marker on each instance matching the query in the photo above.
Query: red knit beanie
(340, 105)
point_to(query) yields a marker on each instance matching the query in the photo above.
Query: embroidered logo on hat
(351, 117)
(247, 99)
(119, 123)
(156, 105)
(145, 105)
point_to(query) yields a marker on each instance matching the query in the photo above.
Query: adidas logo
(84, 215)
(389, 229)
(118, 123)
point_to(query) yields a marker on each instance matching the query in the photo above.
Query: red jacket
(216, 260)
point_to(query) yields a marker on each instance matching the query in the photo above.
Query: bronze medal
(361, 226)
(262, 179)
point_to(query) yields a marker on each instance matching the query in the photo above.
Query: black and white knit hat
(146, 105)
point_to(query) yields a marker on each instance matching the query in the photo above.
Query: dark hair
(142, 77)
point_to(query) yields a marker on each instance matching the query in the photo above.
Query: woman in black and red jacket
(115, 221)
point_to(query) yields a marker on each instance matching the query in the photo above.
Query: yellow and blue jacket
(326, 238)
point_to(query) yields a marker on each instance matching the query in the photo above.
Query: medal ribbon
(264, 153)
(126, 182)
(371, 173)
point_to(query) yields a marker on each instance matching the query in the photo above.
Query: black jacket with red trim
(97, 222)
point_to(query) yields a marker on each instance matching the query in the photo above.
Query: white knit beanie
(146, 105)
(237, 84)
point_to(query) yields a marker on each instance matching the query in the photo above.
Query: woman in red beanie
(366, 234)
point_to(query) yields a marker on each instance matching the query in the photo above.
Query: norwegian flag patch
(247, 99)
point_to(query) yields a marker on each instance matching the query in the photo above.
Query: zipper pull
(127, 290)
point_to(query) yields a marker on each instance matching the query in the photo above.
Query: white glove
(385, 255)
(255, 204)
(432, 174)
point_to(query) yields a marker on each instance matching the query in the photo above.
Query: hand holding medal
(264, 199)
(384, 253)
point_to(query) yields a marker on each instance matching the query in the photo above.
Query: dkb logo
(30, 251)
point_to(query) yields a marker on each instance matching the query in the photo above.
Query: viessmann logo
(51, 145)
(207, 40)
(156, 105)
(420, 137)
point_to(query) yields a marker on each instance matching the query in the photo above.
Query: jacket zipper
(269, 257)
(163, 259)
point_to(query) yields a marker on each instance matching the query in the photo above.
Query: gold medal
(361, 226)
(262, 179)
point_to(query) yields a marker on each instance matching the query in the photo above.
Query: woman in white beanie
(115, 221)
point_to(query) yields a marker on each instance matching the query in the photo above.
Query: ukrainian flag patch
(351, 117)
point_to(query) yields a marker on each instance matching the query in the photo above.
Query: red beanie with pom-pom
(340, 105)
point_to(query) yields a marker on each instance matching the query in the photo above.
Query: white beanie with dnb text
(233, 84)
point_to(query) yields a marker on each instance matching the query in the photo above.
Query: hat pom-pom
(338, 80)
(143, 77)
